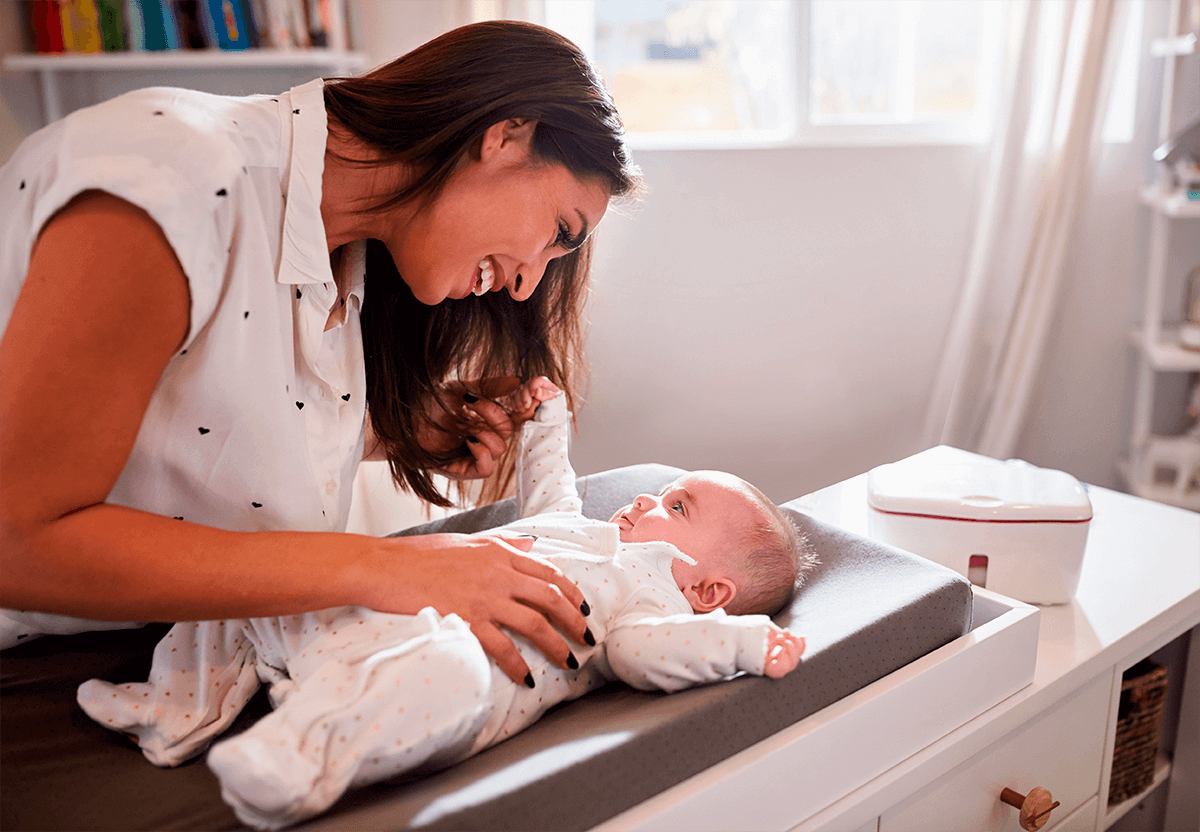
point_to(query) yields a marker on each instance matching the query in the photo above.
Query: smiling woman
(205, 297)
(501, 191)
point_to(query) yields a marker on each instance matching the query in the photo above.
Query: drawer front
(1082, 819)
(1061, 750)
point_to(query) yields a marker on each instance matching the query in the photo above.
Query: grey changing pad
(867, 610)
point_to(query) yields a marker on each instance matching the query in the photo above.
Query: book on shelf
(225, 22)
(45, 20)
(80, 26)
(158, 25)
(111, 17)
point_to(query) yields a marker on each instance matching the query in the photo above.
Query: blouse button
(330, 487)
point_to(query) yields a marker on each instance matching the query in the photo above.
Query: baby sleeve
(545, 478)
(674, 652)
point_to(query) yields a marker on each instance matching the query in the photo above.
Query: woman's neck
(349, 187)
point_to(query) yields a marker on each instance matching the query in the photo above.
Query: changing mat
(866, 610)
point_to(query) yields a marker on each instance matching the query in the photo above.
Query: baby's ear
(710, 593)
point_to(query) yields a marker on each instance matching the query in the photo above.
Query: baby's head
(750, 557)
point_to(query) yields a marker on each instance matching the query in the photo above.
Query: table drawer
(1061, 751)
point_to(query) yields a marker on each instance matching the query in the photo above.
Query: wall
(20, 112)
(777, 313)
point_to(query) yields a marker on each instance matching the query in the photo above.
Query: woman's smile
(485, 276)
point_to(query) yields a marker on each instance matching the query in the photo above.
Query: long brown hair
(424, 111)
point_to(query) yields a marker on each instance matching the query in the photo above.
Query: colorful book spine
(140, 25)
(112, 25)
(329, 18)
(193, 32)
(227, 22)
(135, 30)
(80, 26)
(148, 25)
(295, 17)
(260, 13)
(45, 18)
(171, 25)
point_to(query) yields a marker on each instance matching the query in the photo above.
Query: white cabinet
(1062, 752)
(1082, 819)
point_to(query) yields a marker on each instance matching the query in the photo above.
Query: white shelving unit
(1157, 344)
(54, 69)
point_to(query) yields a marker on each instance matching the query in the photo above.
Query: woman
(186, 375)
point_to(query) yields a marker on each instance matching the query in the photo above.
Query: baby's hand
(783, 652)
(534, 392)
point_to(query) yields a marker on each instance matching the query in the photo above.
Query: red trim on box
(972, 519)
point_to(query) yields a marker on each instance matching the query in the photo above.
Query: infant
(361, 696)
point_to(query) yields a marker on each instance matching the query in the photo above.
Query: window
(696, 73)
(928, 65)
(699, 69)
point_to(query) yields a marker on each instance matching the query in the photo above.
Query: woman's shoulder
(201, 136)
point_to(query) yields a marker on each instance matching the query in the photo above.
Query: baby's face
(696, 514)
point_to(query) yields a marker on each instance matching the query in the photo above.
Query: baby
(362, 696)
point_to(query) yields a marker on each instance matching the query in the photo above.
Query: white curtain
(1056, 77)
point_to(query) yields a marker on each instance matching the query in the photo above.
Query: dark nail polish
(473, 440)
(585, 609)
(470, 399)
(589, 638)
(528, 680)
(572, 662)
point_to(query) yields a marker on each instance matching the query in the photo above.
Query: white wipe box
(1010, 527)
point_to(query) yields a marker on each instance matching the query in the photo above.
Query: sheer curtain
(1056, 79)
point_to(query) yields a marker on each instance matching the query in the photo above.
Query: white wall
(20, 111)
(776, 313)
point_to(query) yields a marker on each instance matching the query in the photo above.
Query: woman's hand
(490, 582)
(783, 652)
(474, 422)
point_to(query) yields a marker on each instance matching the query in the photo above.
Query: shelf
(1166, 355)
(172, 59)
(1147, 491)
(50, 67)
(1173, 203)
(1162, 770)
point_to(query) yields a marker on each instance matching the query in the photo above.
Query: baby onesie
(361, 696)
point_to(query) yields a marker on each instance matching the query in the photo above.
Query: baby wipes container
(1011, 527)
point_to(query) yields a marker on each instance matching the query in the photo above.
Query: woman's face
(497, 223)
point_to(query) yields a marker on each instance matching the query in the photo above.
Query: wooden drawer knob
(1035, 807)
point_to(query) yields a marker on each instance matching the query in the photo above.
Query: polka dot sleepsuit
(361, 696)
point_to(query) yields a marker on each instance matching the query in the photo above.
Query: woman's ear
(710, 592)
(511, 139)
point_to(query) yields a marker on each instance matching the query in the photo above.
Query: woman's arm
(103, 309)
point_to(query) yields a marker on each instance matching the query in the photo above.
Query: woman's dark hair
(424, 111)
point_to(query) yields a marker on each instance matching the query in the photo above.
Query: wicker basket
(1139, 717)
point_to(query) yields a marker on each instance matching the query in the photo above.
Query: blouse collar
(305, 249)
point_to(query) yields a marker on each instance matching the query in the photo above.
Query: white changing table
(1139, 592)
